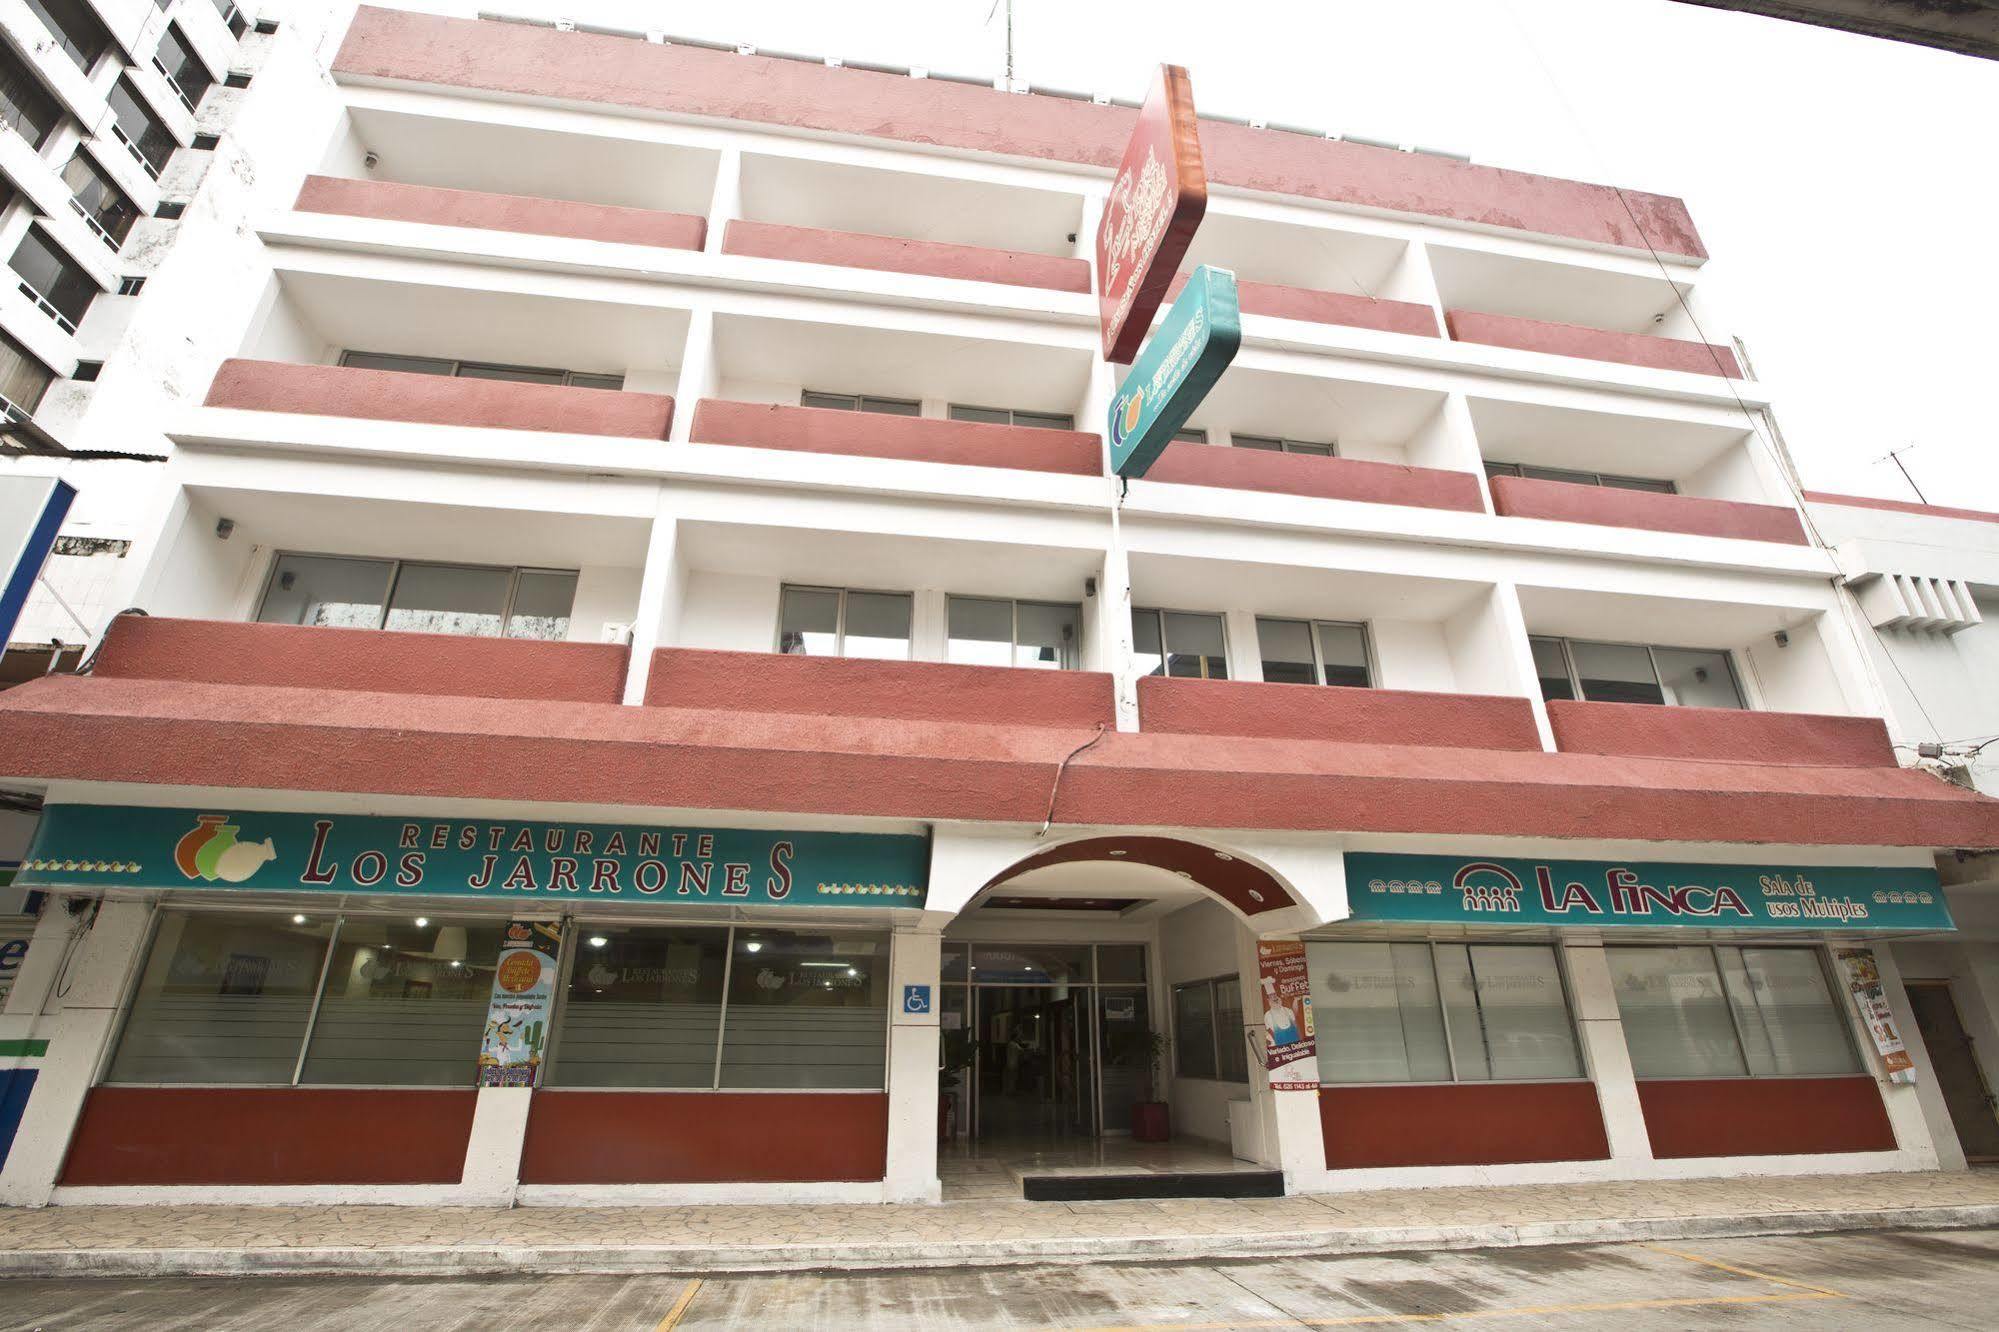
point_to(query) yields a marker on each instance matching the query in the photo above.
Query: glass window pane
(1194, 646)
(807, 1010)
(1639, 483)
(448, 599)
(577, 379)
(409, 365)
(983, 415)
(1343, 651)
(23, 379)
(837, 402)
(891, 406)
(1676, 1021)
(1789, 1019)
(1231, 1049)
(1045, 420)
(1031, 964)
(1286, 648)
(542, 602)
(1502, 469)
(1461, 1013)
(1376, 1011)
(1695, 679)
(980, 631)
(877, 626)
(1616, 673)
(144, 132)
(225, 998)
(1194, 1030)
(957, 958)
(102, 202)
(1190, 436)
(1524, 1015)
(1146, 653)
(512, 374)
(1122, 964)
(1263, 443)
(55, 277)
(808, 621)
(643, 1007)
(405, 1006)
(1560, 474)
(1308, 448)
(326, 590)
(1551, 664)
(1050, 636)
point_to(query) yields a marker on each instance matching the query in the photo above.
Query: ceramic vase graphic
(210, 851)
(194, 839)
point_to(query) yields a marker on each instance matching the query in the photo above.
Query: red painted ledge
(1596, 344)
(1695, 1117)
(688, 81)
(608, 1137)
(1321, 712)
(394, 395)
(848, 687)
(1721, 734)
(760, 425)
(893, 254)
(232, 653)
(396, 202)
(1329, 307)
(1317, 478)
(1469, 1123)
(1900, 506)
(1608, 506)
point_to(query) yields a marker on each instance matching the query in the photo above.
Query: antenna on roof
(1895, 456)
(1009, 36)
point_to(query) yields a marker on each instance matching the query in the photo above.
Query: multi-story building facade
(655, 493)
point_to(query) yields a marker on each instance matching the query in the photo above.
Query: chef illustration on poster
(1291, 1051)
(517, 1015)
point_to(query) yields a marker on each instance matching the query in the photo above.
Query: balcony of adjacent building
(1316, 273)
(435, 364)
(1704, 474)
(402, 166)
(894, 393)
(1594, 313)
(848, 215)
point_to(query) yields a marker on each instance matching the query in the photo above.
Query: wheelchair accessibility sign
(915, 999)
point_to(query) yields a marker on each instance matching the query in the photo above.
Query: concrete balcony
(1778, 739)
(393, 202)
(1608, 506)
(224, 652)
(1317, 478)
(908, 438)
(894, 254)
(1347, 716)
(1330, 307)
(1596, 344)
(391, 395)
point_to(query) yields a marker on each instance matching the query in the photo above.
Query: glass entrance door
(1036, 1078)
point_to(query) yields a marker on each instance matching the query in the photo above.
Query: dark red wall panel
(270, 1135)
(1472, 1123)
(1764, 1116)
(705, 1137)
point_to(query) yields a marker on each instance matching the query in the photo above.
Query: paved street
(1879, 1280)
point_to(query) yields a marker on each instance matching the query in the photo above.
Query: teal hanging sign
(1179, 363)
(116, 846)
(1463, 890)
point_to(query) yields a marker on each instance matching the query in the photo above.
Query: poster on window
(1291, 1047)
(523, 995)
(1863, 981)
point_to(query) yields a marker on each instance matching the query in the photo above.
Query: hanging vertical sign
(1194, 344)
(1292, 1050)
(517, 1016)
(1155, 204)
(1862, 974)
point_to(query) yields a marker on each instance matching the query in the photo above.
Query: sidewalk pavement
(211, 1240)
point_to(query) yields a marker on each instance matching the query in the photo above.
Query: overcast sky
(1847, 187)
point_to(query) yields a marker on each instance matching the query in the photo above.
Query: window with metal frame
(417, 596)
(1441, 1012)
(1183, 644)
(24, 380)
(76, 28)
(182, 68)
(1577, 478)
(444, 365)
(1272, 444)
(1190, 437)
(860, 402)
(1636, 673)
(144, 134)
(1718, 1010)
(232, 16)
(61, 287)
(25, 105)
(843, 622)
(1314, 652)
(1208, 1030)
(991, 631)
(98, 201)
(1008, 416)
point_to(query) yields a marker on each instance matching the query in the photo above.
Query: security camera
(371, 161)
(223, 528)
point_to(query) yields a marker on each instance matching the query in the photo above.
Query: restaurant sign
(1155, 205)
(1459, 890)
(116, 846)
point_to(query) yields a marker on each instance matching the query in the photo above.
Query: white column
(1912, 1107)
(1513, 632)
(728, 199)
(1294, 1118)
(1605, 1056)
(493, 1152)
(1109, 615)
(913, 1050)
(77, 1039)
(661, 588)
(700, 375)
(1245, 655)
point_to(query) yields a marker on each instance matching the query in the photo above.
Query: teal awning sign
(1179, 363)
(1464, 890)
(116, 846)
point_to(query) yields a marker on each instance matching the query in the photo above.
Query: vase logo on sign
(210, 851)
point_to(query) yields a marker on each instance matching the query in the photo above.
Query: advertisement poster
(1292, 1052)
(523, 995)
(1863, 981)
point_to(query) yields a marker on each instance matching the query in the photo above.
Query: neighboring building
(644, 525)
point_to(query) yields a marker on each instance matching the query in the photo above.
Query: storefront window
(1207, 1030)
(225, 998)
(1419, 1012)
(644, 1008)
(1031, 964)
(1699, 1011)
(807, 1010)
(404, 1003)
